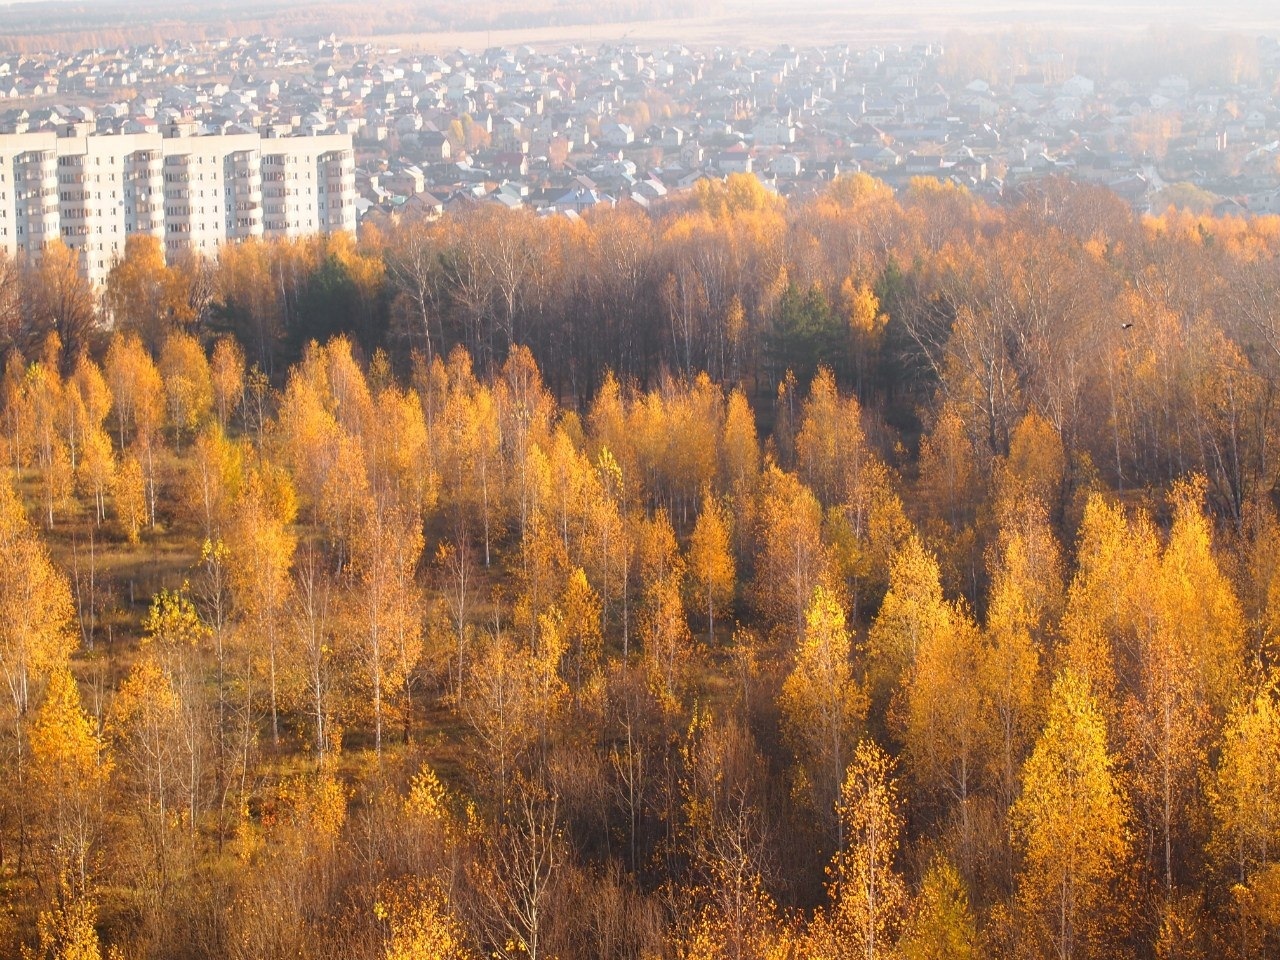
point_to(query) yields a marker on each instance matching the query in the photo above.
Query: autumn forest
(875, 575)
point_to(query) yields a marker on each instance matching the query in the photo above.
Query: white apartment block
(193, 193)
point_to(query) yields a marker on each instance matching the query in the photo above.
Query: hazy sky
(711, 21)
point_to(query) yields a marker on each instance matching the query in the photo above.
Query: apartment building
(193, 193)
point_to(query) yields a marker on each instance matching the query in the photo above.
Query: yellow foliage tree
(261, 546)
(68, 930)
(868, 896)
(1071, 824)
(1023, 606)
(822, 706)
(581, 624)
(1108, 602)
(386, 612)
(666, 640)
(43, 394)
(498, 701)
(1244, 792)
(912, 610)
(1198, 608)
(1037, 460)
(95, 473)
(137, 389)
(940, 924)
(710, 559)
(420, 925)
(188, 386)
(145, 296)
(942, 725)
(790, 559)
(129, 490)
(738, 193)
(36, 609)
(69, 769)
(227, 377)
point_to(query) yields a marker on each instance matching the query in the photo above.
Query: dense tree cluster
(866, 578)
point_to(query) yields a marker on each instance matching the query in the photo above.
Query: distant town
(562, 131)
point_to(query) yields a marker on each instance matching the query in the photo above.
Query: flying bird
(1125, 326)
